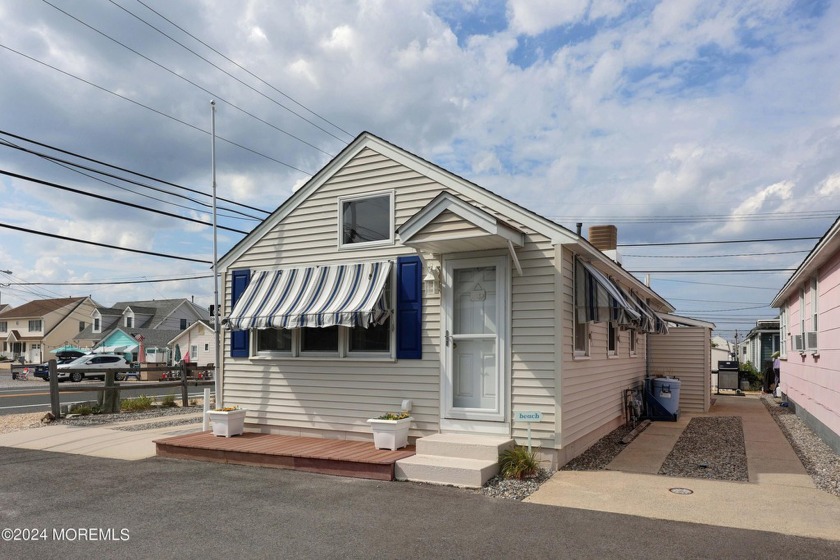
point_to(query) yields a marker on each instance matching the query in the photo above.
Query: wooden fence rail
(110, 390)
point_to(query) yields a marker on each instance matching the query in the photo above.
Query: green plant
(518, 463)
(751, 374)
(137, 404)
(168, 401)
(82, 409)
(394, 416)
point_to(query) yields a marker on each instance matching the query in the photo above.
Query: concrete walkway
(99, 441)
(779, 497)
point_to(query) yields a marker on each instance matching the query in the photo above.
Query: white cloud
(532, 18)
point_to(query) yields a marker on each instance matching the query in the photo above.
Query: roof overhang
(824, 250)
(486, 231)
(685, 321)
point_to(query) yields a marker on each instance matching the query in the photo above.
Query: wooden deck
(357, 459)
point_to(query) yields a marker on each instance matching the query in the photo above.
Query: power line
(717, 242)
(299, 104)
(715, 256)
(112, 283)
(115, 201)
(712, 271)
(211, 63)
(184, 78)
(132, 172)
(660, 219)
(105, 245)
(161, 113)
(71, 166)
(715, 284)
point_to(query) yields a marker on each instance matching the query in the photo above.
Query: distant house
(809, 304)
(760, 343)
(31, 330)
(138, 345)
(137, 318)
(197, 344)
(386, 278)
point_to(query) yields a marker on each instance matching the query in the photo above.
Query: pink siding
(813, 381)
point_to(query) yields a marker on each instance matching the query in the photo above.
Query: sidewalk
(99, 441)
(779, 497)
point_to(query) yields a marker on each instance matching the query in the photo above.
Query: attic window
(366, 221)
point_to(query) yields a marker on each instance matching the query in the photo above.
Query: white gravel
(821, 462)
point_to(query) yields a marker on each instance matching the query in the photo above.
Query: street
(83, 507)
(34, 396)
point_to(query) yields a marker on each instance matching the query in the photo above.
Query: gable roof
(556, 233)
(39, 307)
(188, 329)
(826, 247)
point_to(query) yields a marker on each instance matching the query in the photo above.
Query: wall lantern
(431, 282)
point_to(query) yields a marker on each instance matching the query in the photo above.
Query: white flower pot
(390, 434)
(227, 423)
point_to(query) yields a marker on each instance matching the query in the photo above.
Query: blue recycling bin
(662, 397)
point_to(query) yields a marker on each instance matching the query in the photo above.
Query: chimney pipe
(579, 228)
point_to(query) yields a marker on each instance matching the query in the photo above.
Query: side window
(612, 339)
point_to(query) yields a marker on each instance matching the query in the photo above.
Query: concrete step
(468, 473)
(464, 446)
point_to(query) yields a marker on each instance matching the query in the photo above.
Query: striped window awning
(349, 295)
(599, 299)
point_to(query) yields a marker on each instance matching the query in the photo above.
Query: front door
(475, 338)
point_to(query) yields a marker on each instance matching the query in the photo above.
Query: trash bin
(663, 398)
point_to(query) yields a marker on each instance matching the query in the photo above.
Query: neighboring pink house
(810, 338)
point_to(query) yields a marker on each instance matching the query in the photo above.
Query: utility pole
(217, 376)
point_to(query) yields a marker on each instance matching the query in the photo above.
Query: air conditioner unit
(798, 343)
(811, 340)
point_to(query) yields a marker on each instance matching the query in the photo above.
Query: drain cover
(681, 491)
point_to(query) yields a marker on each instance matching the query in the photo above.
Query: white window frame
(584, 326)
(366, 244)
(802, 316)
(814, 303)
(612, 339)
(633, 342)
(4, 326)
(38, 322)
(783, 331)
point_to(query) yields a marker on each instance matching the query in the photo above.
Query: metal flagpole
(217, 374)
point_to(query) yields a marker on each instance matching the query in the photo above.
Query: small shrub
(394, 416)
(136, 404)
(82, 409)
(168, 401)
(518, 463)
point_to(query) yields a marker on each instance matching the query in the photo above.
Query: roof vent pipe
(579, 228)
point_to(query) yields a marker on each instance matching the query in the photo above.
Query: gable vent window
(366, 221)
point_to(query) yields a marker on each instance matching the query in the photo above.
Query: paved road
(17, 397)
(162, 508)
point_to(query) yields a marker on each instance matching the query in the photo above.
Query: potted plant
(228, 421)
(390, 431)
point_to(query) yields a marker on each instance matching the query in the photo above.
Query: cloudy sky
(681, 121)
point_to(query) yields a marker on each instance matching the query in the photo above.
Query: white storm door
(475, 296)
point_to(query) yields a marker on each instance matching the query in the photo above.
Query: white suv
(92, 365)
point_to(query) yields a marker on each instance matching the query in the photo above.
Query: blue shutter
(409, 307)
(239, 341)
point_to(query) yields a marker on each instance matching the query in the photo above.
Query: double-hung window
(35, 325)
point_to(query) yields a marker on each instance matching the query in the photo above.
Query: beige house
(33, 329)
(198, 341)
(685, 353)
(387, 279)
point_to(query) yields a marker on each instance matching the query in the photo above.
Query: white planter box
(227, 423)
(390, 434)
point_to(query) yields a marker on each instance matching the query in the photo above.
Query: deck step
(457, 459)
(468, 473)
(464, 446)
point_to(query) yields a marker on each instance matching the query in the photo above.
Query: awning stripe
(602, 299)
(319, 296)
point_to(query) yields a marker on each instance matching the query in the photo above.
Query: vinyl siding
(684, 353)
(592, 391)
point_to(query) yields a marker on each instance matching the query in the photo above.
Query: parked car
(43, 370)
(90, 366)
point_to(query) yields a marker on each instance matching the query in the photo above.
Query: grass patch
(518, 463)
(136, 404)
(168, 401)
(84, 409)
